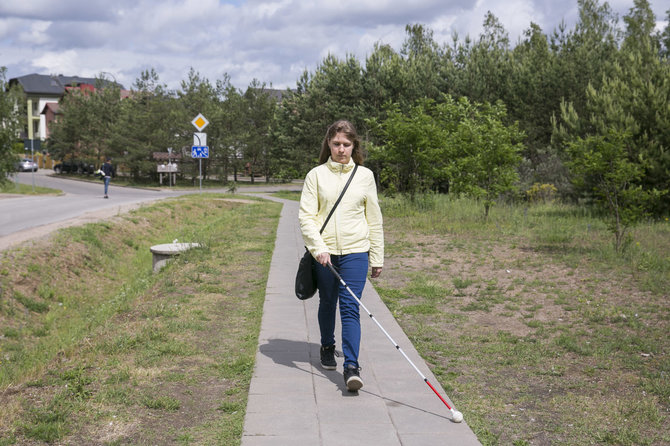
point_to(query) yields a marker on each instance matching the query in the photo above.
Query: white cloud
(58, 62)
(271, 40)
(36, 33)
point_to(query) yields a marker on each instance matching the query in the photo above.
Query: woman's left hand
(323, 258)
(376, 271)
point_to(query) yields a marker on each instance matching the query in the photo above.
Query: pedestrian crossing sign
(199, 152)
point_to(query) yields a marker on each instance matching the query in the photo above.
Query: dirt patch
(238, 200)
(519, 335)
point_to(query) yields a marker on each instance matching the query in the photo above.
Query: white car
(26, 165)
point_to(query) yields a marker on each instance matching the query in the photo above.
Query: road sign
(199, 152)
(200, 122)
(199, 139)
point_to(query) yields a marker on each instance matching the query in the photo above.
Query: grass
(537, 329)
(125, 355)
(288, 195)
(182, 183)
(539, 332)
(11, 187)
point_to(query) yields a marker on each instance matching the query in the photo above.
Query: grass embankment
(96, 349)
(288, 195)
(11, 187)
(537, 330)
(182, 183)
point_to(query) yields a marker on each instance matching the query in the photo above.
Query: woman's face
(341, 148)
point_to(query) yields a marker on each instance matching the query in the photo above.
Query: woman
(352, 240)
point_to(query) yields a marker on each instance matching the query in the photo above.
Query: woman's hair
(349, 130)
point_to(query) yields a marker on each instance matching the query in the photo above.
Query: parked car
(26, 165)
(74, 167)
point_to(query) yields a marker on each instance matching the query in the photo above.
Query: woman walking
(352, 240)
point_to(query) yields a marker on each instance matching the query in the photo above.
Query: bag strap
(351, 177)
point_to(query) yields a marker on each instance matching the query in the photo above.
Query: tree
(9, 126)
(424, 65)
(665, 37)
(413, 153)
(385, 81)
(453, 144)
(585, 54)
(333, 92)
(631, 99)
(148, 122)
(602, 162)
(485, 152)
(229, 117)
(86, 123)
(534, 96)
(72, 131)
(636, 96)
(485, 65)
(257, 115)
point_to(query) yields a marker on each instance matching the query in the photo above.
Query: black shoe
(352, 378)
(106, 196)
(328, 357)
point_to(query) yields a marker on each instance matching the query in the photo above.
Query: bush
(541, 193)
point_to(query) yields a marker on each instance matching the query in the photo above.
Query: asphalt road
(23, 218)
(19, 213)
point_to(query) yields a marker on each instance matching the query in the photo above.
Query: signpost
(199, 149)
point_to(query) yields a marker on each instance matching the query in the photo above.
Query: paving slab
(292, 400)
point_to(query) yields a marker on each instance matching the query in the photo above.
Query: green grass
(11, 187)
(537, 329)
(162, 403)
(113, 341)
(288, 195)
(183, 183)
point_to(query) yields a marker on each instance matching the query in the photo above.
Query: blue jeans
(354, 269)
(107, 179)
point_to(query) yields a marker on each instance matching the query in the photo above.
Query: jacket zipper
(337, 232)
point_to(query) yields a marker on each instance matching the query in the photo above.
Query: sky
(273, 41)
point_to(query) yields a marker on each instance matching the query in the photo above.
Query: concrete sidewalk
(293, 401)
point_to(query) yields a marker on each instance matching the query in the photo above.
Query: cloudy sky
(273, 41)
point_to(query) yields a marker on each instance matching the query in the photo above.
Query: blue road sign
(199, 152)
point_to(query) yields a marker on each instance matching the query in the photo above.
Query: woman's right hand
(323, 258)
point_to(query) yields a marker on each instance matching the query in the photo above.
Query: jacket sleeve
(308, 215)
(373, 214)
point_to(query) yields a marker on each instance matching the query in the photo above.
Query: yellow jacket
(356, 224)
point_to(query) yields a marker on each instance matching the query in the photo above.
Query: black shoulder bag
(305, 279)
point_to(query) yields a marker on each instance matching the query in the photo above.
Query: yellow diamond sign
(200, 122)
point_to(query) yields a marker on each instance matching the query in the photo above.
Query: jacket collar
(336, 167)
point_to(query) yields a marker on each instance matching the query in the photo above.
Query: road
(23, 218)
(26, 217)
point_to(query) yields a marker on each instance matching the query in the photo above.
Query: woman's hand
(323, 258)
(376, 271)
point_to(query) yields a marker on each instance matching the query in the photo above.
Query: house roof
(276, 94)
(52, 84)
(53, 106)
